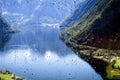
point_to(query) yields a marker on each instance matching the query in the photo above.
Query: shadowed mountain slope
(78, 13)
(96, 38)
(5, 32)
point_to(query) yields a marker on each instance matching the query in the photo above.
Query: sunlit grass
(6, 76)
(112, 73)
(9, 76)
(117, 64)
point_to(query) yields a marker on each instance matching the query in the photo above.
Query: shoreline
(7, 75)
(104, 62)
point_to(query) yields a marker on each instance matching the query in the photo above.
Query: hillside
(78, 13)
(5, 31)
(4, 26)
(96, 37)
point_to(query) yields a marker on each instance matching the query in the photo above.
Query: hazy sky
(23, 11)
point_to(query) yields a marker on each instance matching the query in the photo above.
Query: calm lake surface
(36, 53)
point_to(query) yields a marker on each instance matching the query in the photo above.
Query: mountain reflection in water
(36, 53)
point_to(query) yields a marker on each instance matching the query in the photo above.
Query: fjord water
(37, 53)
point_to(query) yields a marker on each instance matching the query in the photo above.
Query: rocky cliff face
(96, 36)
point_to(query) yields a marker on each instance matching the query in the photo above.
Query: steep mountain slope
(85, 19)
(96, 37)
(5, 31)
(78, 13)
(4, 26)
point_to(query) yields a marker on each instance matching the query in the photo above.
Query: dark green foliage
(98, 28)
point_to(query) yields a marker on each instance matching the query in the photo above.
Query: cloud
(55, 26)
(24, 20)
(50, 56)
(6, 12)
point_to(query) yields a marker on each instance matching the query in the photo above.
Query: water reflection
(4, 39)
(36, 53)
(48, 67)
(39, 39)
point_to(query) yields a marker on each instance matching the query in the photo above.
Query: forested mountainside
(78, 13)
(96, 36)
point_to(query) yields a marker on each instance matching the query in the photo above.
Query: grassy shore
(7, 75)
(109, 56)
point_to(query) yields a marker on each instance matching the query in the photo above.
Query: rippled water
(36, 53)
